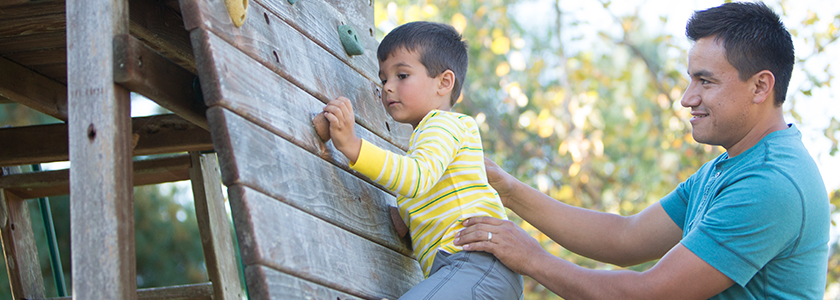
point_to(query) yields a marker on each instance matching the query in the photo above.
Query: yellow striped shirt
(440, 182)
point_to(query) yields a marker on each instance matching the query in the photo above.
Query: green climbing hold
(350, 40)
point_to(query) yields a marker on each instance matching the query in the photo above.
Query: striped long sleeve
(440, 182)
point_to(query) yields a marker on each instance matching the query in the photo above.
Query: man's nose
(690, 98)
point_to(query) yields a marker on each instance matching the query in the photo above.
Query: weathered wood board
(308, 227)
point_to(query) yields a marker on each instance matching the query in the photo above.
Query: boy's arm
(343, 127)
(433, 148)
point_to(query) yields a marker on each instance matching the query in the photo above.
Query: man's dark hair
(440, 46)
(754, 38)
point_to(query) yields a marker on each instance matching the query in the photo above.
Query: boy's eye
(402, 76)
(384, 81)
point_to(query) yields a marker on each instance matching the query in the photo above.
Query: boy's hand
(343, 127)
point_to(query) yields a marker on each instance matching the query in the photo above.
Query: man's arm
(680, 274)
(601, 236)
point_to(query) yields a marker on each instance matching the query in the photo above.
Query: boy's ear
(764, 82)
(446, 82)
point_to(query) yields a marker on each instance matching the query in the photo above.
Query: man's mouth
(697, 115)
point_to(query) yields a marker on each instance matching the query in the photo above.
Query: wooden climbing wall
(308, 227)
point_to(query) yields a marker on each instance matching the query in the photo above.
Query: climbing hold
(292, 1)
(350, 40)
(237, 10)
(322, 126)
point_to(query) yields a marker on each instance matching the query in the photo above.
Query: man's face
(720, 102)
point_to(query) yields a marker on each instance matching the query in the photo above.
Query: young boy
(441, 181)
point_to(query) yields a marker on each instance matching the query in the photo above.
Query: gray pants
(467, 275)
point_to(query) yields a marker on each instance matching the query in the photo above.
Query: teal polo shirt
(761, 218)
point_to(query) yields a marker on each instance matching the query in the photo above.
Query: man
(750, 224)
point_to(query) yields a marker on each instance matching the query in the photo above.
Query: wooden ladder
(113, 47)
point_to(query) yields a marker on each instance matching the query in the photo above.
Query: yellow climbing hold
(237, 10)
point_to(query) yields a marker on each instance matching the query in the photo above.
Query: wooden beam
(4, 3)
(141, 69)
(99, 131)
(199, 291)
(214, 227)
(34, 90)
(162, 28)
(57, 182)
(19, 247)
(154, 135)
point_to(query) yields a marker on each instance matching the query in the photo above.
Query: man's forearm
(597, 235)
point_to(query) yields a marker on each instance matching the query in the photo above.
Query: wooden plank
(48, 143)
(257, 158)
(30, 25)
(318, 20)
(267, 283)
(141, 69)
(162, 28)
(4, 3)
(276, 235)
(39, 57)
(198, 291)
(57, 182)
(21, 254)
(214, 227)
(56, 72)
(300, 61)
(101, 200)
(32, 8)
(266, 99)
(33, 42)
(33, 90)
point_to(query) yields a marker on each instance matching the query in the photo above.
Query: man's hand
(509, 243)
(343, 127)
(501, 181)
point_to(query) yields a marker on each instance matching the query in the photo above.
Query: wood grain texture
(19, 247)
(140, 69)
(214, 227)
(318, 20)
(28, 25)
(99, 132)
(57, 182)
(34, 90)
(274, 234)
(267, 283)
(255, 157)
(198, 291)
(157, 134)
(162, 29)
(293, 56)
(234, 81)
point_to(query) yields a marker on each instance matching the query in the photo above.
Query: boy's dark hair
(440, 46)
(754, 38)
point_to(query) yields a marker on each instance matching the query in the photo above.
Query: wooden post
(19, 247)
(214, 227)
(99, 123)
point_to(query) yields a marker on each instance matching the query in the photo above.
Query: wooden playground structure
(243, 80)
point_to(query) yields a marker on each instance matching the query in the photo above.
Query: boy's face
(408, 93)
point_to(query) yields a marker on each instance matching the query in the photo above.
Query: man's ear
(446, 82)
(765, 83)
